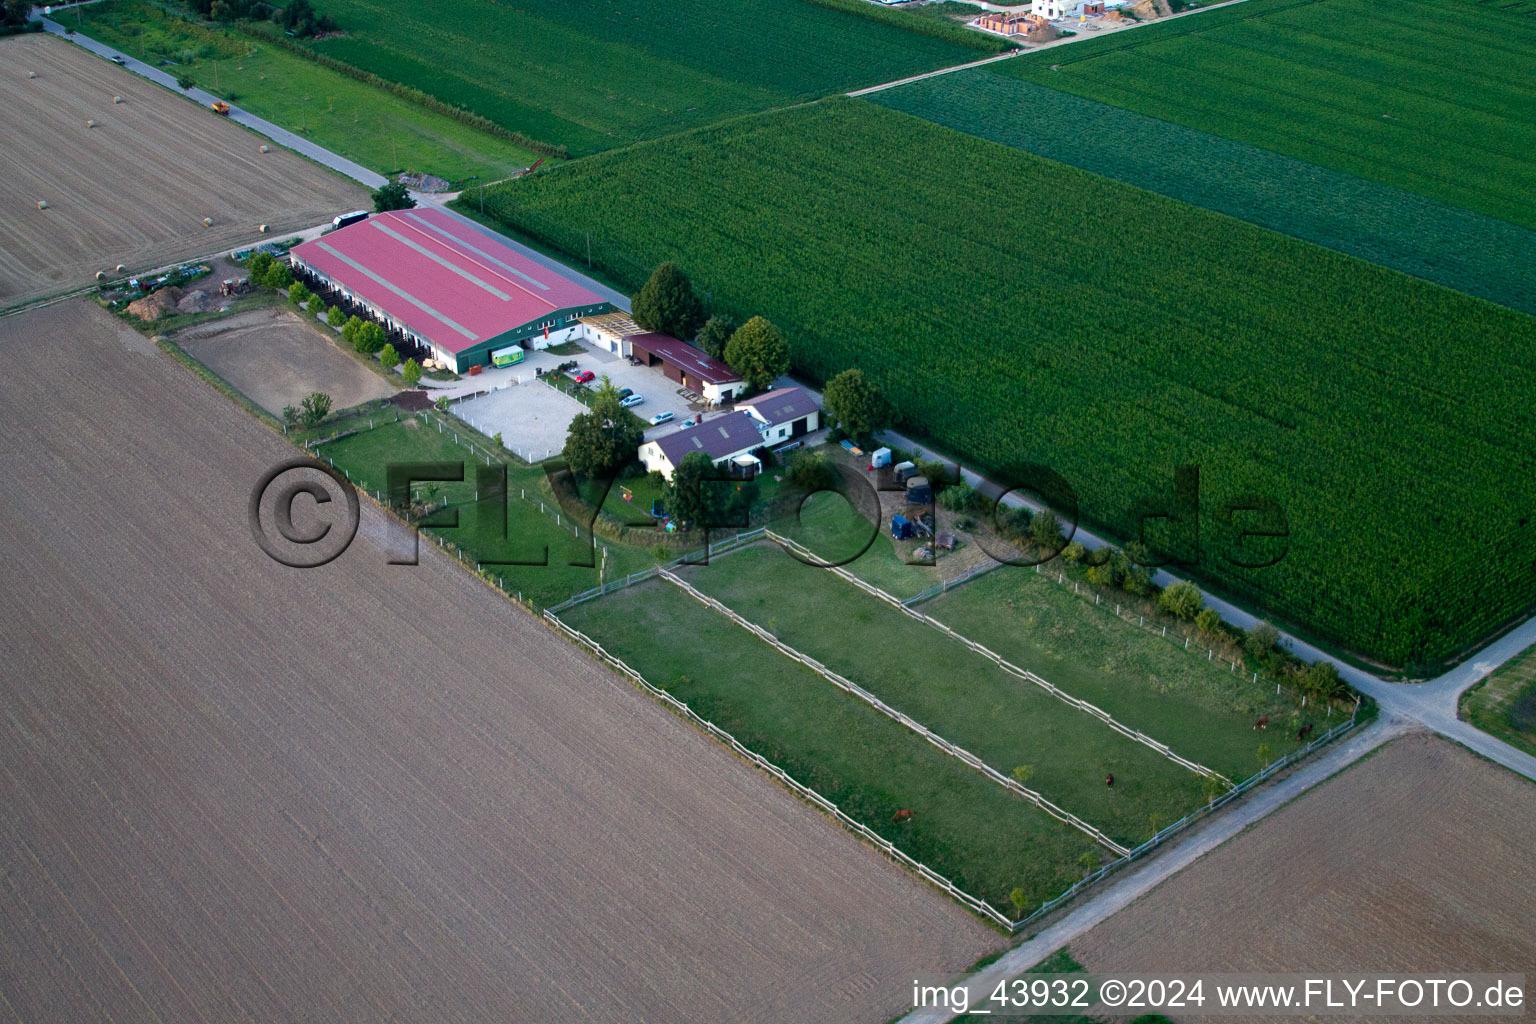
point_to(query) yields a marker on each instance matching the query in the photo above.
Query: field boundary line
(848, 686)
(1007, 666)
(884, 845)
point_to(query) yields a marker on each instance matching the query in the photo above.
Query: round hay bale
(266, 149)
(90, 124)
(117, 99)
(31, 74)
(207, 222)
(101, 275)
(262, 228)
(121, 268)
(42, 204)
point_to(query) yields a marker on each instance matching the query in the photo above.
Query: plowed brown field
(134, 189)
(231, 791)
(1421, 858)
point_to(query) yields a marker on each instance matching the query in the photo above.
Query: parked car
(630, 401)
(118, 58)
(626, 392)
(584, 376)
(662, 417)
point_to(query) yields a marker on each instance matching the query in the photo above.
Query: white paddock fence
(975, 903)
(998, 660)
(717, 548)
(959, 753)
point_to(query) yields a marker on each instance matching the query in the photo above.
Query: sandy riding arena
(1421, 858)
(275, 358)
(236, 791)
(135, 188)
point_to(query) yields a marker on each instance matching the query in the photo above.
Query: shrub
(808, 470)
(411, 371)
(1261, 640)
(335, 317)
(297, 293)
(1208, 622)
(388, 357)
(1183, 600)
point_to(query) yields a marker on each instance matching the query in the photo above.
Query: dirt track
(1421, 858)
(273, 358)
(233, 791)
(134, 189)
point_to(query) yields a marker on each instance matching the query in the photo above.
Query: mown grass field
(979, 835)
(957, 693)
(1434, 96)
(531, 536)
(1474, 253)
(360, 122)
(1201, 708)
(1504, 704)
(592, 77)
(1021, 310)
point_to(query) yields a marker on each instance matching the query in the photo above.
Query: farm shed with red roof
(691, 367)
(441, 285)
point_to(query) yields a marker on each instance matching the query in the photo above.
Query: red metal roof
(681, 354)
(441, 278)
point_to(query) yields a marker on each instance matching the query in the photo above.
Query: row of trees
(667, 304)
(298, 17)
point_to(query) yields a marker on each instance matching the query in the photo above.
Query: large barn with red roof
(439, 285)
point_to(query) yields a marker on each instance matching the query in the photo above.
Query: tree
(388, 357)
(370, 337)
(857, 405)
(758, 352)
(297, 293)
(1138, 581)
(1045, 530)
(689, 498)
(258, 265)
(715, 333)
(350, 328)
(1183, 599)
(15, 11)
(335, 317)
(808, 470)
(666, 304)
(1264, 754)
(314, 408)
(604, 439)
(1019, 901)
(1074, 552)
(392, 196)
(1322, 681)
(278, 275)
(184, 83)
(443, 404)
(411, 371)
(1023, 773)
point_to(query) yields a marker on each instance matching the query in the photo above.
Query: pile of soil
(196, 302)
(154, 306)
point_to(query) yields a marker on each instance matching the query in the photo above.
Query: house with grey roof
(727, 440)
(783, 414)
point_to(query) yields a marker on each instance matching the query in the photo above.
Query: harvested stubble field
(274, 358)
(235, 791)
(1417, 859)
(134, 189)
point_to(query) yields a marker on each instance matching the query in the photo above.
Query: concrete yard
(275, 358)
(170, 164)
(231, 790)
(532, 418)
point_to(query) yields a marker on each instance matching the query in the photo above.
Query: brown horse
(905, 814)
